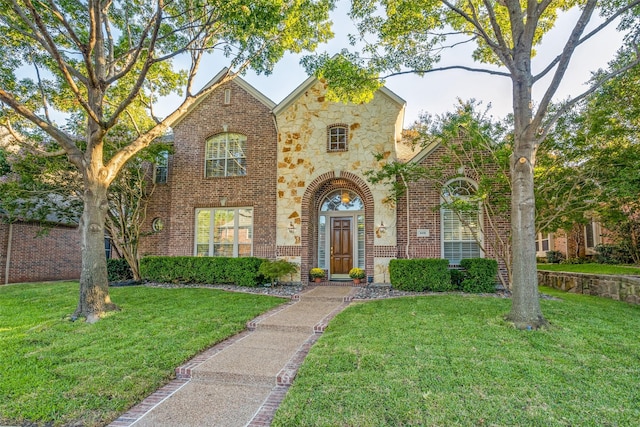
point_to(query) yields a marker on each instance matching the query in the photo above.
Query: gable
(236, 81)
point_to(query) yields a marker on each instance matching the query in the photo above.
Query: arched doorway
(341, 233)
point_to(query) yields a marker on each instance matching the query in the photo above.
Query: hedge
(420, 275)
(118, 270)
(189, 269)
(480, 275)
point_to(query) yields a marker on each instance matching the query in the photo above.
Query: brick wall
(54, 255)
(187, 189)
(424, 213)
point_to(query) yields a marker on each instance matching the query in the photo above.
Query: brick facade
(39, 256)
(290, 172)
(187, 189)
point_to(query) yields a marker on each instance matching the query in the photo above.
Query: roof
(236, 80)
(312, 80)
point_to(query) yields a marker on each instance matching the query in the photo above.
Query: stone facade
(621, 288)
(308, 171)
(30, 254)
(292, 173)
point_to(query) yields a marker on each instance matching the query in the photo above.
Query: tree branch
(593, 32)
(451, 67)
(67, 142)
(563, 64)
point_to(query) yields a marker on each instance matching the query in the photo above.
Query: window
(337, 138)
(227, 96)
(592, 236)
(543, 244)
(225, 156)
(224, 232)
(461, 230)
(161, 170)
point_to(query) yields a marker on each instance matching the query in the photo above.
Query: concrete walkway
(241, 381)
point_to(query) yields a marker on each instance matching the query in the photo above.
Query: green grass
(591, 268)
(57, 372)
(452, 361)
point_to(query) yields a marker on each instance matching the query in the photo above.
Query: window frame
(161, 168)
(224, 138)
(340, 146)
(478, 242)
(211, 230)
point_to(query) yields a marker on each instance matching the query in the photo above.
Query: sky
(437, 93)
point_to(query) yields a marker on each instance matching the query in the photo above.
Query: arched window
(225, 155)
(337, 138)
(342, 200)
(460, 216)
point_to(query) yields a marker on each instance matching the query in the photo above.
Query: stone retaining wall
(621, 288)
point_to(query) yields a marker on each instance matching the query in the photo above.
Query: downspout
(406, 186)
(8, 260)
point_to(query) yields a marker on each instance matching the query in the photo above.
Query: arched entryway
(337, 225)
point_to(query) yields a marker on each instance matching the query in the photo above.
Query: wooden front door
(341, 245)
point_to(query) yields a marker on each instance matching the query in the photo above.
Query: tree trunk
(94, 286)
(525, 306)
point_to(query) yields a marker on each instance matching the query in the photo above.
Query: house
(578, 242)
(30, 252)
(287, 181)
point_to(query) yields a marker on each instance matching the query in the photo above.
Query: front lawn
(592, 268)
(57, 372)
(452, 360)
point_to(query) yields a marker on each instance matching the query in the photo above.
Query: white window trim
(227, 158)
(165, 166)
(539, 238)
(236, 219)
(596, 229)
(480, 239)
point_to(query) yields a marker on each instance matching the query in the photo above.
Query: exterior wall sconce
(382, 228)
(291, 228)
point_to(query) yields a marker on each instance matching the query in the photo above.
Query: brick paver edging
(183, 372)
(285, 377)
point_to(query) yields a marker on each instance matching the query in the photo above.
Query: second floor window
(225, 155)
(337, 137)
(161, 170)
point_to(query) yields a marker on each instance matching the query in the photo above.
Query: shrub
(574, 261)
(554, 257)
(479, 275)
(118, 270)
(457, 276)
(274, 270)
(219, 270)
(612, 254)
(420, 275)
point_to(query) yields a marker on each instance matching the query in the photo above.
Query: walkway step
(222, 405)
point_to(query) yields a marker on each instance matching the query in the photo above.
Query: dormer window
(337, 137)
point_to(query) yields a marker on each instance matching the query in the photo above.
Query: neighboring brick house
(579, 242)
(248, 177)
(27, 254)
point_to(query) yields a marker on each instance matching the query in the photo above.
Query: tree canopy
(71, 71)
(400, 36)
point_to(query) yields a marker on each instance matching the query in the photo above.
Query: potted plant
(317, 274)
(356, 274)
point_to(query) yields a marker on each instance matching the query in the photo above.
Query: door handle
(331, 250)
